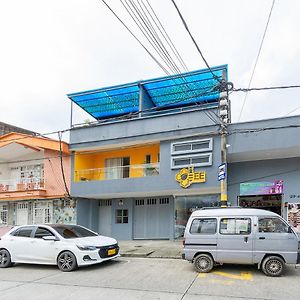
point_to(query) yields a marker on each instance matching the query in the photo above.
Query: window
(121, 216)
(41, 232)
(274, 225)
(3, 214)
(191, 146)
(197, 160)
(73, 231)
(204, 226)
(235, 226)
(23, 232)
(116, 168)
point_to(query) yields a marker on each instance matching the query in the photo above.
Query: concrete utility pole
(223, 202)
(224, 113)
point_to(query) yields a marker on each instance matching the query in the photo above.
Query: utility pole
(224, 113)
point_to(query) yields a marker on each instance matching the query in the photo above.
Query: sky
(50, 48)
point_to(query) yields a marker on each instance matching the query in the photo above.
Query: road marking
(244, 275)
(221, 281)
(202, 275)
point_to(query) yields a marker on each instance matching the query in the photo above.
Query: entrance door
(22, 213)
(105, 217)
(152, 218)
(235, 240)
(267, 202)
(42, 212)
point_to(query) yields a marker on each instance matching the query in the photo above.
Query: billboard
(274, 187)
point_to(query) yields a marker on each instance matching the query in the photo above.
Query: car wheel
(273, 266)
(5, 260)
(203, 263)
(66, 261)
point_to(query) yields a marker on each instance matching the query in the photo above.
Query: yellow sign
(188, 176)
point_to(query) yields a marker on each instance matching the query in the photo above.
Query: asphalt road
(146, 278)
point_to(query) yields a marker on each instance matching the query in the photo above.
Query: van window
(235, 226)
(272, 225)
(204, 226)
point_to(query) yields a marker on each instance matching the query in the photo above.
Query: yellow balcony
(130, 171)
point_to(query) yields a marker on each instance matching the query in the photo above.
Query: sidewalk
(151, 248)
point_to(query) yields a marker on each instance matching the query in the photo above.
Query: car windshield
(72, 232)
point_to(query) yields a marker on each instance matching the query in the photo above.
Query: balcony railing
(131, 171)
(21, 185)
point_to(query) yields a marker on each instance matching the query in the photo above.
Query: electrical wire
(148, 34)
(194, 41)
(257, 57)
(135, 37)
(62, 165)
(208, 113)
(166, 36)
(282, 87)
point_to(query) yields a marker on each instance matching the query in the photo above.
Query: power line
(194, 41)
(135, 37)
(148, 33)
(266, 88)
(208, 113)
(257, 57)
(62, 165)
(167, 37)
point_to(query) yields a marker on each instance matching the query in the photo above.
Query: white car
(67, 246)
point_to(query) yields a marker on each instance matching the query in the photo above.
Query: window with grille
(121, 216)
(197, 160)
(139, 202)
(194, 146)
(151, 201)
(163, 200)
(106, 202)
(3, 214)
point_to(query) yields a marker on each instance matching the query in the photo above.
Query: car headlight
(84, 248)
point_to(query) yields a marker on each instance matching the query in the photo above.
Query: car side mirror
(49, 238)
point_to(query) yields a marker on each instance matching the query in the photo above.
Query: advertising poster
(294, 215)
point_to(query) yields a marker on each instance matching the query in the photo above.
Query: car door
(43, 251)
(276, 237)
(235, 240)
(19, 243)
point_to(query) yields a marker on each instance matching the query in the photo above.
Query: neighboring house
(32, 189)
(7, 128)
(143, 172)
(264, 165)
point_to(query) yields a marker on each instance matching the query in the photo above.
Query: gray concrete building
(142, 173)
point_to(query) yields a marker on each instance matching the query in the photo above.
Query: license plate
(111, 252)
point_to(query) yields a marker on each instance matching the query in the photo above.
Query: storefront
(38, 212)
(266, 195)
(185, 205)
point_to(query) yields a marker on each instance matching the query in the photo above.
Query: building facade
(263, 166)
(32, 189)
(142, 173)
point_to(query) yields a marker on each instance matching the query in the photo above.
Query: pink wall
(54, 183)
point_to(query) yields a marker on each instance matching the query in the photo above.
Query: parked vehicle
(67, 246)
(240, 236)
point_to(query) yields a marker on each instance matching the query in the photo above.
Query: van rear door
(235, 240)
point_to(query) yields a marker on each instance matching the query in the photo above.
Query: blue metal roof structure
(196, 87)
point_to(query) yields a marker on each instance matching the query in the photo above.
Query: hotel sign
(188, 176)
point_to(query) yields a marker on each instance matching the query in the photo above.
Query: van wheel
(273, 266)
(203, 263)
